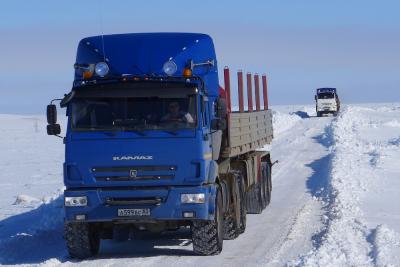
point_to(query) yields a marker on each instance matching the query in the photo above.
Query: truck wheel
(254, 200)
(230, 227)
(319, 114)
(269, 183)
(266, 184)
(207, 236)
(83, 239)
(243, 210)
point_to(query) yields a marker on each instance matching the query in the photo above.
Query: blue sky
(301, 45)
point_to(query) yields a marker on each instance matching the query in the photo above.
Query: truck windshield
(134, 113)
(325, 95)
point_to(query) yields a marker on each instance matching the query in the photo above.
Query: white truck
(327, 101)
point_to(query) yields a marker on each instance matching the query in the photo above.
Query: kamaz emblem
(133, 173)
(133, 158)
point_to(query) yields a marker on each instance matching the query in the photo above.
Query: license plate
(133, 212)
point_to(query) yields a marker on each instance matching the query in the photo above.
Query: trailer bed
(248, 131)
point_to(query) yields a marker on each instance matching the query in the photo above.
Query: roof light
(101, 69)
(170, 68)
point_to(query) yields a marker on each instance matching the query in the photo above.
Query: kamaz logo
(133, 158)
(133, 173)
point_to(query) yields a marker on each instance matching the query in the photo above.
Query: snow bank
(364, 186)
(25, 200)
(283, 121)
(31, 203)
(33, 236)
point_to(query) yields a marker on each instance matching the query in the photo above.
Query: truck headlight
(101, 69)
(75, 201)
(170, 68)
(193, 198)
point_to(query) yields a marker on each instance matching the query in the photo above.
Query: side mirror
(218, 124)
(53, 129)
(315, 97)
(51, 114)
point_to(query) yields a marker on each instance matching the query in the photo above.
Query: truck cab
(148, 144)
(327, 101)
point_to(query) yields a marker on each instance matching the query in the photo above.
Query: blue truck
(152, 143)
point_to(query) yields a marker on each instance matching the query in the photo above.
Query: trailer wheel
(268, 183)
(243, 210)
(235, 224)
(83, 239)
(230, 227)
(254, 200)
(207, 236)
(264, 185)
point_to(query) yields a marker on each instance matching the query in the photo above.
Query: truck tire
(266, 194)
(207, 236)
(83, 239)
(269, 183)
(243, 210)
(254, 199)
(264, 186)
(232, 228)
(319, 114)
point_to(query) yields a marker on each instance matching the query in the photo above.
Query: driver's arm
(188, 118)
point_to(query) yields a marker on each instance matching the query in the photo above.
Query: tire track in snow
(304, 218)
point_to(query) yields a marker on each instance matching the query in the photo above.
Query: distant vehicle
(327, 101)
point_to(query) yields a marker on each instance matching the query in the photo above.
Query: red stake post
(227, 84)
(265, 91)
(249, 93)
(257, 89)
(240, 90)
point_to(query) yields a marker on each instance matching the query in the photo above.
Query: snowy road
(313, 219)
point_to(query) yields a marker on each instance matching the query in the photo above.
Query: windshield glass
(325, 95)
(134, 113)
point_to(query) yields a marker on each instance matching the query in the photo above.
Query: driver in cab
(176, 115)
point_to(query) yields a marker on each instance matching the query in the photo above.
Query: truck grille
(133, 173)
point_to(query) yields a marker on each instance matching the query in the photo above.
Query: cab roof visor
(136, 90)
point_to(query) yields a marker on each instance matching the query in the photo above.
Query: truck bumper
(168, 208)
(327, 110)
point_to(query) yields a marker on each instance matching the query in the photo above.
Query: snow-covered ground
(334, 203)
(362, 218)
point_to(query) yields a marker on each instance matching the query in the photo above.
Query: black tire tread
(243, 209)
(230, 228)
(205, 237)
(82, 241)
(254, 200)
